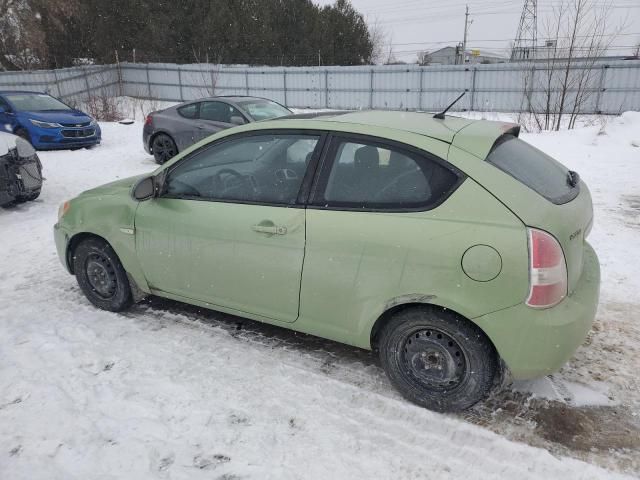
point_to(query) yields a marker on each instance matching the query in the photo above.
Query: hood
(58, 116)
(115, 188)
(7, 142)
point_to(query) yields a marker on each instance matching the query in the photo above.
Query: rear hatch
(554, 198)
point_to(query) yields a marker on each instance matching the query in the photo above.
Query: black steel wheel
(101, 276)
(164, 148)
(437, 359)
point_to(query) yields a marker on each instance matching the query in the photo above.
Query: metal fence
(609, 88)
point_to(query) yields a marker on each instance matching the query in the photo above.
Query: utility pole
(464, 41)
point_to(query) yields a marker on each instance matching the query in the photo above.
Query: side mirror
(145, 189)
(236, 120)
(2, 110)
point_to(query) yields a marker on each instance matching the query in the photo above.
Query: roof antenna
(440, 116)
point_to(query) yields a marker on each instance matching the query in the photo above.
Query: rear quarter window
(533, 168)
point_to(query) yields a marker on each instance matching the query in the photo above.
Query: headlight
(93, 122)
(40, 124)
(62, 209)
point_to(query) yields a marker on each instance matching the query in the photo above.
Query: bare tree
(578, 35)
(378, 37)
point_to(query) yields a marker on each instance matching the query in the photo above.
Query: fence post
(530, 91)
(86, 80)
(180, 83)
(284, 81)
(420, 88)
(148, 82)
(601, 88)
(326, 88)
(371, 89)
(472, 102)
(55, 77)
(246, 81)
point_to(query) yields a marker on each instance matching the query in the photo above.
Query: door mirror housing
(237, 120)
(145, 189)
(2, 109)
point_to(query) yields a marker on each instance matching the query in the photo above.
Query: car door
(183, 125)
(216, 116)
(227, 227)
(370, 223)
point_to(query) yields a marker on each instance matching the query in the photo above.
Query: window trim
(182, 107)
(305, 185)
(317, 201)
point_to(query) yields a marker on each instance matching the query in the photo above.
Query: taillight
(547, 270)
(148, 120)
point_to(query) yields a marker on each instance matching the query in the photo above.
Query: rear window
(535, 169)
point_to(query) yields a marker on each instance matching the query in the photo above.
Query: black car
(169, 131)
(20, 171)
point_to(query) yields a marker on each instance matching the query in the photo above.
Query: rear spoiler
(479, 138)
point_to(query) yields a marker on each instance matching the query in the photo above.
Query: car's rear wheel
(101, 276)
(164, 148)
(437, 359)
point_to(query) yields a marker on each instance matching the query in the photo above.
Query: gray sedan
(169, 131)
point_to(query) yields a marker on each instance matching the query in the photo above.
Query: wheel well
(161, 132)
(388, 314)
(74, 242)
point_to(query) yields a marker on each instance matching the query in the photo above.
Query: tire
(164, 148)
(437, 359)
(101, 276)
(27, 198)
(22, 133)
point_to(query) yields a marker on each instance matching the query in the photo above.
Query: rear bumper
(147, 131)
(534, 343)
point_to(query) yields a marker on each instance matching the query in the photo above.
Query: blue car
(46, 122)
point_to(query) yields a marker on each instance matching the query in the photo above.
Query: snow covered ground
(170, 391)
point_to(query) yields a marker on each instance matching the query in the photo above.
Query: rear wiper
(572, 178)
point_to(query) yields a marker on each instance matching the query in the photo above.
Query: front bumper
(67, 137)
(61, 237)
(534, 343)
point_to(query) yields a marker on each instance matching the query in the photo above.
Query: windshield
(264, 109)
(34, 102)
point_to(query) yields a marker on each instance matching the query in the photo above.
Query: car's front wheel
(437, 359)
(164, 148)
(101, 276)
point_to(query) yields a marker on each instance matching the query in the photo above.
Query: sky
(414, 25)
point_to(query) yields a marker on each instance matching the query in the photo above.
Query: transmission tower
(524, 47)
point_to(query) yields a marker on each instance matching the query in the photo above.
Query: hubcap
(434, 359)
(101, 275)
(163, 146)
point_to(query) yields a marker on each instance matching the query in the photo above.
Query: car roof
(5, 92)
(474, 136)
(230, 98)
(421, 123)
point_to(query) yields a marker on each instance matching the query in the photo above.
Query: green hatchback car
(449, 246)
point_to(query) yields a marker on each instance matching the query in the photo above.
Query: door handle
(268, 227)
(200, 126)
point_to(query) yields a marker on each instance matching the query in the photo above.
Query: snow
(170, 391)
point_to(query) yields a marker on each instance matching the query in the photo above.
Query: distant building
(450, 56)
